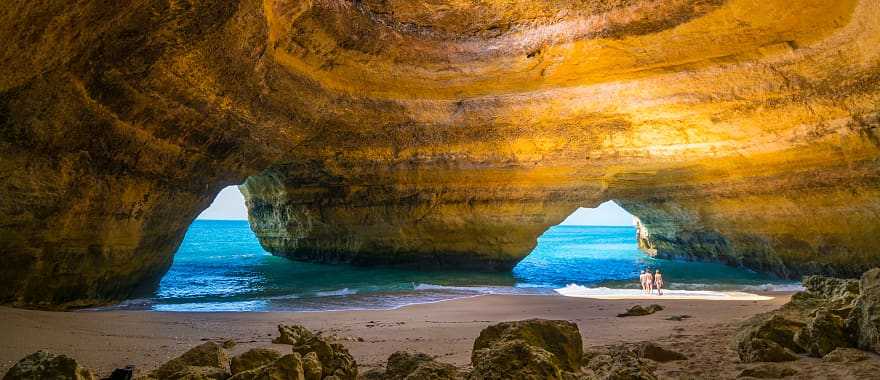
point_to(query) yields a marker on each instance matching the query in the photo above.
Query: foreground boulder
(639, 310)
(334, 358)
(865, 318)
(531, 349)
(824, 332)
(768, 371)
(208, 354)
(845, 355)
(769, 340)
(618, 363)
(287, 367)
(417, 366)
(649, 350)
(253, 358)
(45, 365)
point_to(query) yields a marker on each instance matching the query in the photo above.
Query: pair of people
(652, 281)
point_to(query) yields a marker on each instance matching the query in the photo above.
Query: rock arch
(738, 131)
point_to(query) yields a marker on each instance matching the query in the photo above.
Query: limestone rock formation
(768, 371)
(619, 363)
(639, 310)
(45, 365)
(417, 366)
(334, 358)
(530, 349)
(432, 133)
(287, 367)
(657, 353)
(253, 358)
(200, 360)
(829, 316)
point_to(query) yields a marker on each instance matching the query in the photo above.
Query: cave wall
(432, 133)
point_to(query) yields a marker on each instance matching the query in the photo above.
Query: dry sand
(106, 340)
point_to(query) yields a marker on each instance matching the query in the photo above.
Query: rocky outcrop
(618, 363)
(639, 310)
(321, 356)
(287, 367)
(432, 133)
(253, 358)
(416, 366)
(45, 365)
(830, 316)
(530, 349)
(208, 360)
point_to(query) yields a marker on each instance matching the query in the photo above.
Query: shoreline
(103, 340)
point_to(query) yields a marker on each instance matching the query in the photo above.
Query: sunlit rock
(432, 133)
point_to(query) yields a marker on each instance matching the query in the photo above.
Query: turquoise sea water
(220, 266)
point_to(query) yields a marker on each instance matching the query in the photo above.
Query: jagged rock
(561, 339)
(418, 366)
(334, 358)
(649, 350)
(768, 371)
(291, 334)
(514, 360)
(287, 367)
(312, 366)
(770, 339)
(373, 374)
(865, 318)
(620, 363)
(205, 355)
(253, 358)
(822, 334)
(45, 365)
(638, 310)
(845, 355)
(228, 344)
(198, 373)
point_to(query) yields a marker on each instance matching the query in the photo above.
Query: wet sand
(106, 340)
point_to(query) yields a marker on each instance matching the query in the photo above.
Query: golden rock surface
(432, 132)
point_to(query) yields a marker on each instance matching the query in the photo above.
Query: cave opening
(591, 246)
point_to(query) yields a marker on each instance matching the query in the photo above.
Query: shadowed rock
(865, 318)
(527, 349)
(768, 371)
(252, 358)
(334, 358)
(417, 366)
(650, 350)
(845, 355)
(639, 310)
(619, 363)
(287, 367)
(208, 354)
(45, 365)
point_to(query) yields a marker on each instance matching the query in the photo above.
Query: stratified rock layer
(432, 133)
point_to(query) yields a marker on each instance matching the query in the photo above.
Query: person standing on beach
(642, 281)
(658, 282)
(649, 282)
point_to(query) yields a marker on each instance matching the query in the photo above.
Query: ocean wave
(774, 288)
(579, 291)
(481, 289)
(335, 293)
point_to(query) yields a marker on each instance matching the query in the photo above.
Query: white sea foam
(573, 290)
(338, 292)
(774, 288)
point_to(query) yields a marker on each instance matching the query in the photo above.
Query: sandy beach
(106, 340)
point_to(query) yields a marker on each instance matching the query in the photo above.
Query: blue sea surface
(220, 266)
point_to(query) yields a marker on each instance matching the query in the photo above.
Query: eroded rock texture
(433, 133)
